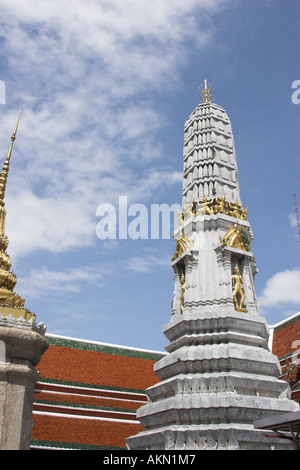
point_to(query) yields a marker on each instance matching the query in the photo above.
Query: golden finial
(206, 92)
(4, 172)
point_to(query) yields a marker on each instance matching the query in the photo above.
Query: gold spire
(206, 93)
(4, 172)
(10, 302)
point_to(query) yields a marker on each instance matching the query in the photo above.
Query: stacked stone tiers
(218, 377)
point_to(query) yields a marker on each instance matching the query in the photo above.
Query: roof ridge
(88, 345)
(101, 343)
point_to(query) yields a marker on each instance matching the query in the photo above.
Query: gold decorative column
(22, 344)
(10, 302)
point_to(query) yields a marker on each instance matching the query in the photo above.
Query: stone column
(23, 347)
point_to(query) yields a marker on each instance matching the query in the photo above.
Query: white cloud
(38, 281)
(146, 263)
(51, 224)
(82, 139)
(126, 46)
(282, 288)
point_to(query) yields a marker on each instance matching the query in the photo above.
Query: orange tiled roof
(88, 394)
(106, 365)
(72, 396)
(70, 432)
(285, 335)
(286, 346)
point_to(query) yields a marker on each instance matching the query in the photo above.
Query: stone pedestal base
(23, 347)
(218, 378)
(196, 438)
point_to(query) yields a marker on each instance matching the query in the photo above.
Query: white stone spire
(219, 376)
(209, 160)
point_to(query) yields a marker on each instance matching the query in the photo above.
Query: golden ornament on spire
(4, 172)
(10, 302)
(205, 92)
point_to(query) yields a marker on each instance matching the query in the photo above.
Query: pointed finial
(205, 93)
(4, 172)
(17, 125)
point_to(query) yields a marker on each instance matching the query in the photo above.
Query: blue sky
(105, 88)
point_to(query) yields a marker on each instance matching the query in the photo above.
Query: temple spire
(11, 304)
(219, 375)
(4, 172)
(206, 93)
(22, 344)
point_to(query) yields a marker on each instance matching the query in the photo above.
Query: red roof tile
(88, 394)
(98, 368)
(285, 337)
(61, 429)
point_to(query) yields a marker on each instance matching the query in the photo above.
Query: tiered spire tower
(22, 343)
(219, 375)
(210, 168)
(10, 302)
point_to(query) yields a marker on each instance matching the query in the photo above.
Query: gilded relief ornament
(211, 206)
(180, 217)
(205, 207)
(182, 280)
(182, 244)
(220, 205)
(188, 210)
(238, 290)
(236, 238)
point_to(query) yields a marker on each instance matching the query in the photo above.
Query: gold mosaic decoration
(211, 206)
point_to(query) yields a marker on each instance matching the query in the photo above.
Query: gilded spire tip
(17, 125)
(205, 93)
(4, 172)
